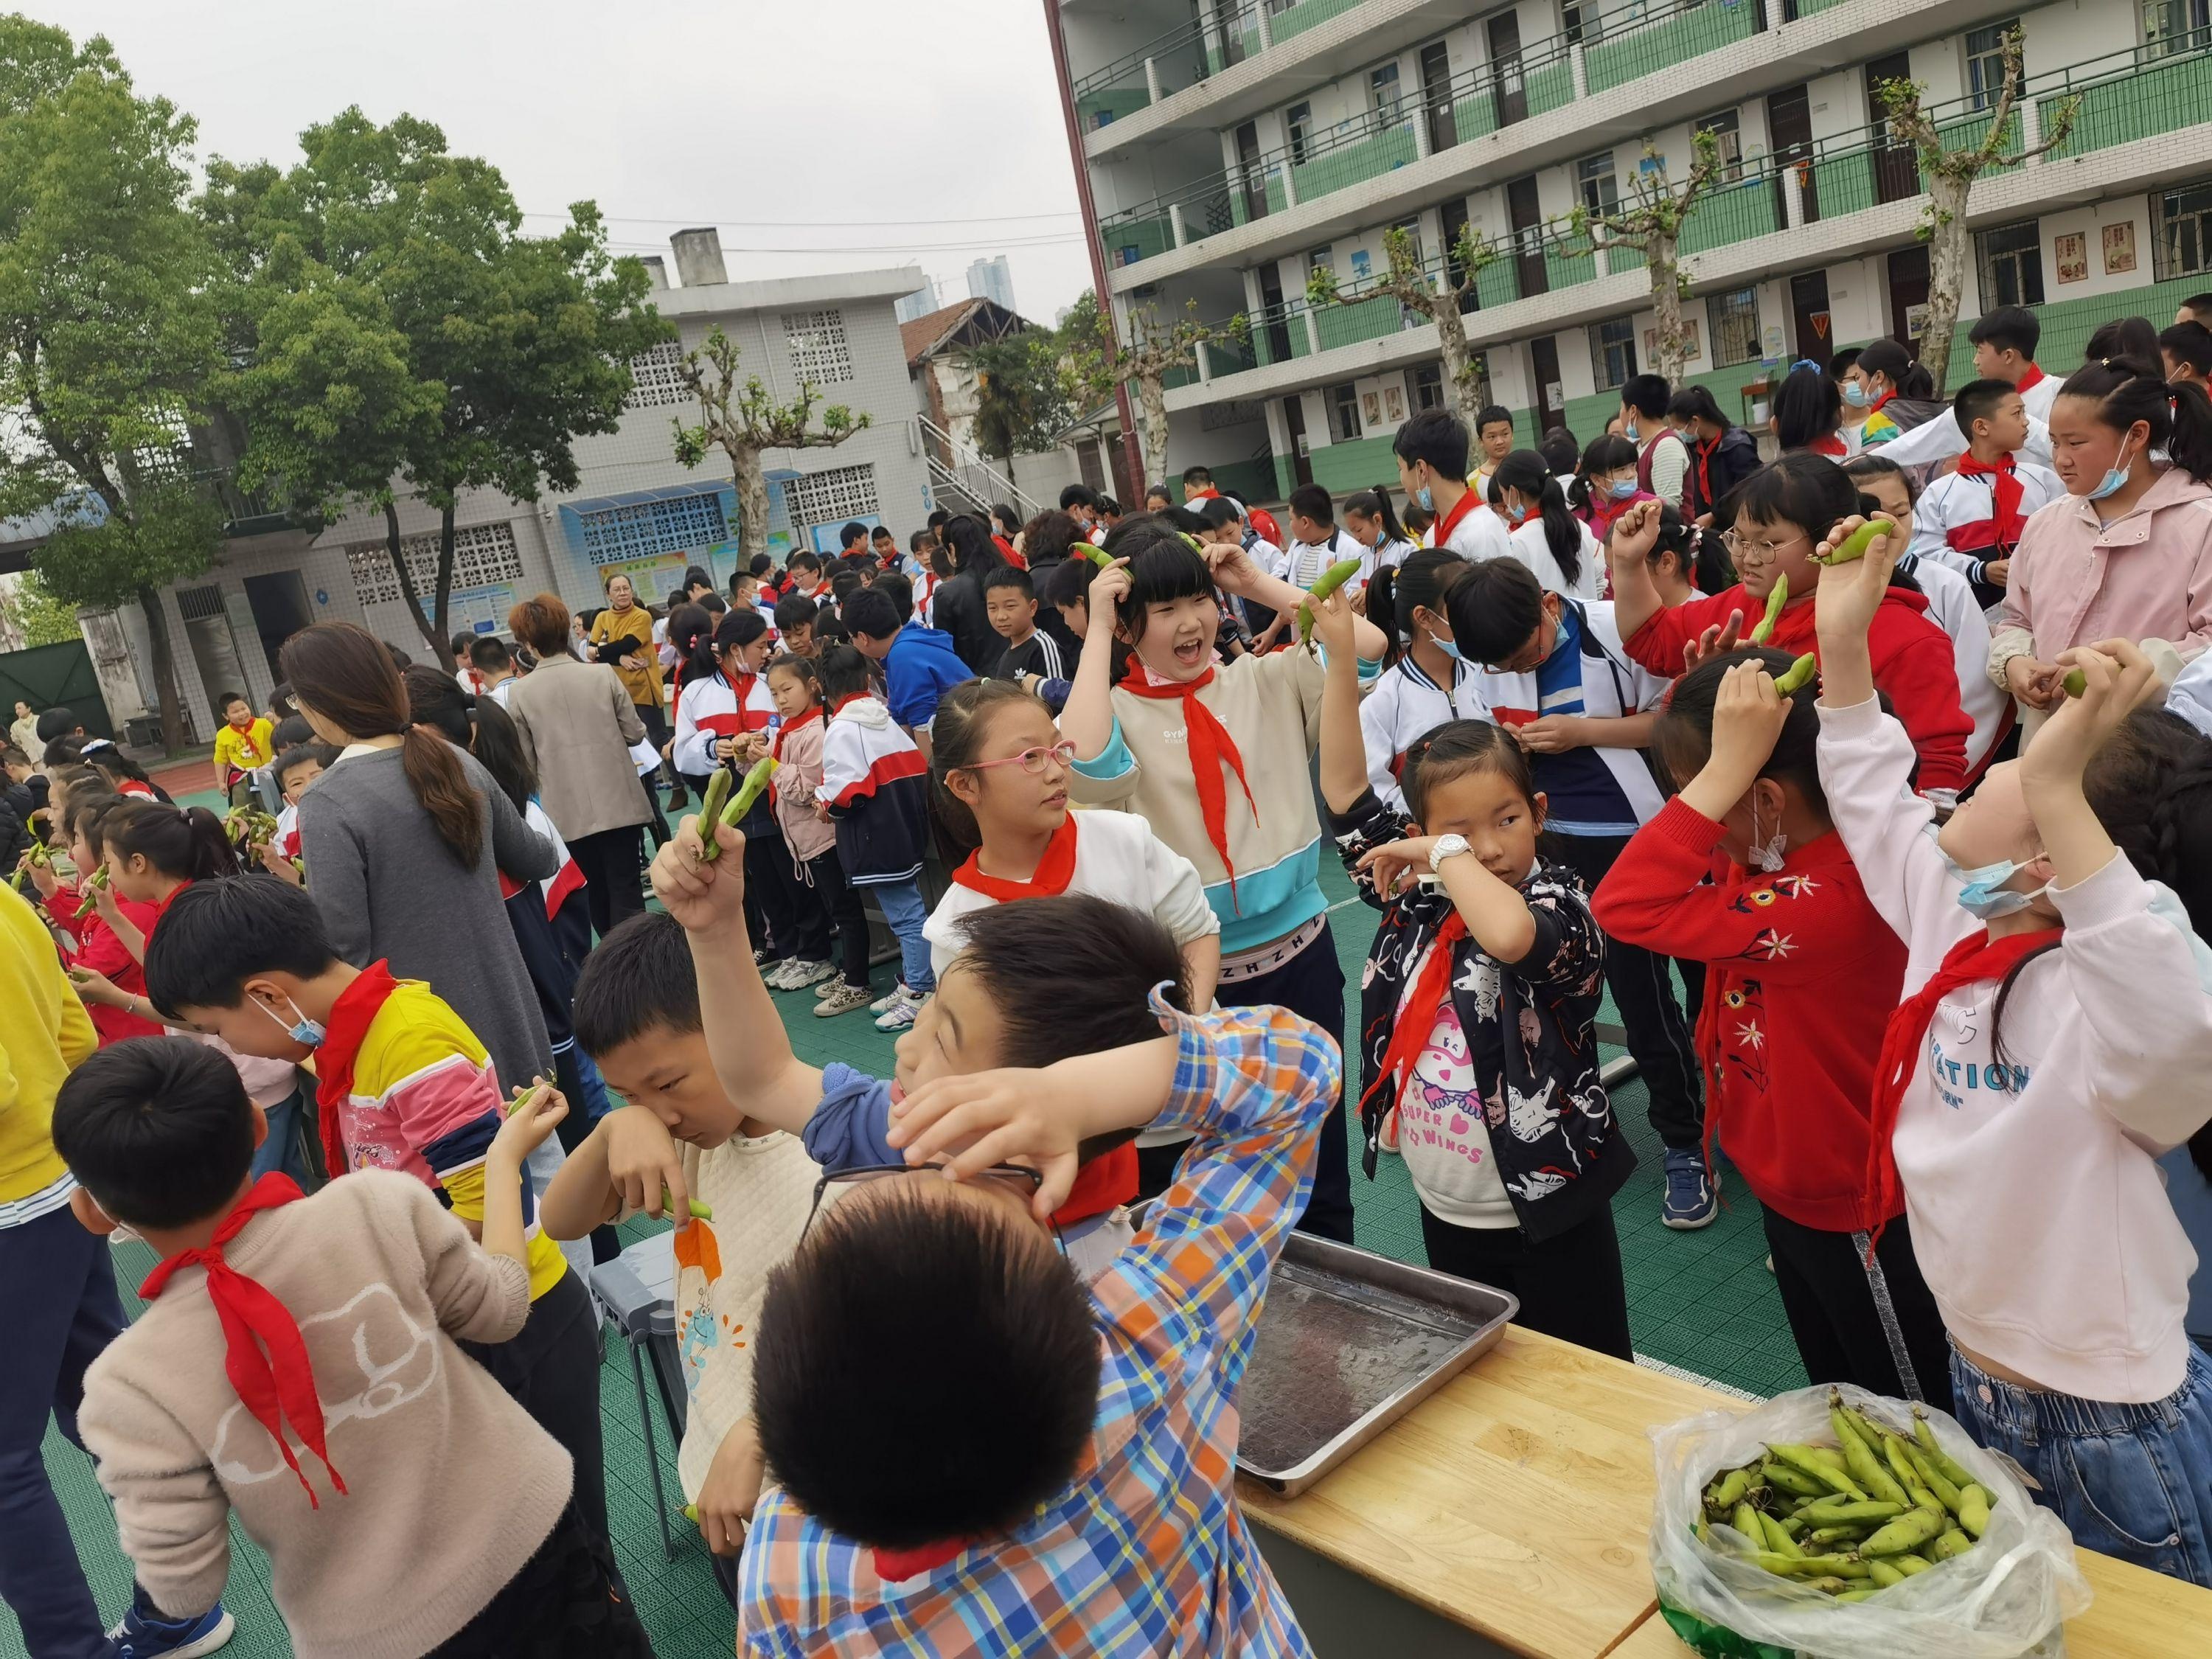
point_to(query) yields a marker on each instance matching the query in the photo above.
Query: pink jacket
(799, 746)
(2147, 576)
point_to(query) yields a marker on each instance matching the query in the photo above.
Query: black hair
(639, 979)
(916, 542)
(11, 756)
(1160, 490)
(67, 751)
(1458, 747)
(1008, 520)
(1807, 407)
(760, 564)
(488, 652)
(1068, 582)
(1646, 394)
(1163, 568)
(1218, 511)
(1977, 400)
(2127, 390)
(1070, 976)
(1527, 471)
(736, 630)
(2123, 336)
(1560, 450)
(690, 633)
(1682, 736)
(842, 670)
(323, 754)
(1840, 364)
(88, 804)
(185, 843)
(1311, 501)
(1872, 465)
(1007, 576)
(971, 546)
(280, 702)
(1494, 609)
(56, 721)
(2201, 304)
(1197, 475)
(224, 699)
(939, 518)
(852, 532)
(216, 935)
(159, 1130)
(1108, 508)
(1698, 553)
(797, 612)
(1606, 453)
(844, 584)
(1887, 358)
(2009, 328)
(1376, 504)
(964, 716)
(1436, 436)
(1696, 403)
(478, 725)
(791, 663)
(2189, 344)
(696, 576)
(1490, 414)
(870, 613)
(898, 587)
(804, 560)
(882, 532)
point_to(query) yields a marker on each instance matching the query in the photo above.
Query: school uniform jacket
(1530, 1028)
(1405, 704)
(715, 707)
(878, 787)
(797, 747)
(1954, 524)
(1938, 439)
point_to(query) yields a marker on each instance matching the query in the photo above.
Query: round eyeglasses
(1031, 761)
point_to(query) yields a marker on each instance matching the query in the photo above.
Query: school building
(1227, 147)
(636, 509)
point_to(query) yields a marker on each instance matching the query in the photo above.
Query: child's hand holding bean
(643, 1164)
(1332, 622)
(2117, 679)
(528, 1121)
(1108, 588)
(1850, 593)
(1398, 865)
(703, 897)
(970, 1123)
(94, 986)
(1635, 534)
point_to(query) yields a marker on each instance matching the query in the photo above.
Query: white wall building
(1225, 157)
(636, 509)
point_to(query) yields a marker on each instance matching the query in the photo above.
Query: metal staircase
(959, 471)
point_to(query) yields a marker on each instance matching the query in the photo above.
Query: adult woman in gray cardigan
(578, 725)
(404, 839)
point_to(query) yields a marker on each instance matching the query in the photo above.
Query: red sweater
(1914, 666)
(1804, 976)
(98, 948)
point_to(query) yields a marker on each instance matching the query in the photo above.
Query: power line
(827, 224)
(993, 243)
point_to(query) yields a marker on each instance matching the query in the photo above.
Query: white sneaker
(827, 987)
(884, 1004)
(901, 1014)
(839, 998)
(776, 975)
(804, 974)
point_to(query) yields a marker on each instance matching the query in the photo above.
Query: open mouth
(1057, 800)
(1190, 653)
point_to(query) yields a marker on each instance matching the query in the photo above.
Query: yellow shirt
(245, 750)
(44, 1035)
(642, 682)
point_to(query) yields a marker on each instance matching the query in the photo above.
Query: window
(2011, 260)
(1344, 404)
(2181, 235)
(1322, 259)
(1613, 352)
(1732, 323)
(830, 497)
(1728, 135)
(2175, 26)
(1429, 387)
(642, 529)
(485, 555)
(1298, 122)
(655, 382)
(1382, 96)
(817, 339)
(1985, 61)
(1413, 229)
(1601, 190)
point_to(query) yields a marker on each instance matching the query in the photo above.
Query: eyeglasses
(1757, 552)
(1031, 761)
(1024, 1183)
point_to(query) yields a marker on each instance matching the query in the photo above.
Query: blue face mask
(1447, 647)
(1427, 499)
(302, 1030)
(1983, 894)
(2115, 479)
(1516, 514)
(1855, 393)
(1621, 489)
(1628, 431)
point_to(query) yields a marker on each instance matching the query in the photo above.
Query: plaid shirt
(1145, 1551)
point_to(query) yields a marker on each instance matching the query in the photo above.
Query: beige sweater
(451, 1487)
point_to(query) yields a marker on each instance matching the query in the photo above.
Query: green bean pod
(1856, 545)
(710, 813)
(1799, 675)
(1777, 597)
(750, 790)
(1331, 579)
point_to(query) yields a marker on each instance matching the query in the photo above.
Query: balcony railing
(1193, 53)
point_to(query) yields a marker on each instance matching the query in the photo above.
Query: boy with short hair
(432, 1510)
(1663, 459)
(1971, 519)
(1080, 502)
(1010, 602)
(883, 547)
(1431, 451)
(794, 622)
(805, 571)
(1493, 435)
(242, 745)
(1197, 485)
(494, 666)
(1316, 542)
(2186, 352)
(295, 771)
(919, 663)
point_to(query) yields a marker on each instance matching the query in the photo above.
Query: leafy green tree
(30, 614)
(1022, 405)
(108, 334)
(1648, 220)
(745, 419)
(393, 324)
(1435, 293)
(1098, 360)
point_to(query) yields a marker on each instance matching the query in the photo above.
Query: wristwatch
(1447, 847)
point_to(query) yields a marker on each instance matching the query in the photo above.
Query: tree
(1951, 175)
(30, 615)
(1651, 221)
(107, 334)
(1098, 360)
(393, 324)
(1435, 293)
(745, 419)
(1022, 405)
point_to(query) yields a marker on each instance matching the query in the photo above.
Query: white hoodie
(2039, 1215)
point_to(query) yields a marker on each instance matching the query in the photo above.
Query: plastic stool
(637, 1291)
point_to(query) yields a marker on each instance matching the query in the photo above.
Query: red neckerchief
(2004, 491)
(2030, 378)
(280, 1383)
(1972, 959)
(1831, 444)
(1054, 872)
(776, 741)
(1460, 509)
(351, 1015)
(246, 740)
(1211, 749)
(843, 703)
(161, 908)
(1879, 402)
(891, 1565)
(1418, 1018)
(1703, 452)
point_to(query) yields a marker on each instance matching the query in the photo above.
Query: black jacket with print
(1530, 1026)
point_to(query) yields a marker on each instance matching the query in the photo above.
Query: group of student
(1944, 1006)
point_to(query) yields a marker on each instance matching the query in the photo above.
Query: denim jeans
(2132, 1481)
(903, 909)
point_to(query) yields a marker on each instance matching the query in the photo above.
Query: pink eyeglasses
(1031, 761)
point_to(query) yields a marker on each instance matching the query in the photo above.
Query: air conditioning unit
(1146, 291)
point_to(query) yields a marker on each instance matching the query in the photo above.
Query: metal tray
(1349, 1342)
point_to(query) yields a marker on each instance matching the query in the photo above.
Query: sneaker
(838, 998)
(829, 987)
(804, 974)
(772, 974)
(884, 1004)
(140, 1635)
(1691, 1202)
(900, 1015)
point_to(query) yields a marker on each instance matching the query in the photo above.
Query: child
(2184, 351)
(1605, 483)
(1779, 514)
(875, 789)
(1686, 563)
(1545, 536)
(794, 625)
(1804, 976)
(1415, 694)
(241, 744)
(1952, 606)
(99, 948)
(2054, 1043)
(1479, 1003)
(807, 581)
(1368, 516)
(1092, 1433)
(1494, 431)
(423, 1507)
(2004, 341)
(1972, 518)
(1722, 453)
(1808, 413)
(2127, 553)
(1000, 769)
(919, 663)
(401, 1084)
(295, 772)
(825, 898)
(883, 547)
(1316, 544)
(1875, 378)
(495, 667)
(1662, 458)
(1010, 602)
(1215, 760)
(1431, 452)
(1557, 679)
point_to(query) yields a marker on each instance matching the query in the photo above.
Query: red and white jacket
(564, 881)
(1405, 703)
(877, 785)
(1955, 522)
(717, 706)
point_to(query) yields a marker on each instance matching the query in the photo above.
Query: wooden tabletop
(1516, 1501)
(2138, 1614)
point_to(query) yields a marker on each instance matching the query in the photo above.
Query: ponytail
(442, 788)
(1419, 584)
(1376, 504)
(2127, 390)
(185, 843)
(1527, 471)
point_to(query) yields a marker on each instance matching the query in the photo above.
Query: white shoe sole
(216, 1638)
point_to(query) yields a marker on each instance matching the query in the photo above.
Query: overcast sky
(829, 135)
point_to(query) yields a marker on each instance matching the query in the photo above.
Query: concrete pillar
(1174, 222)
(2031, 127)
(1793, 193)
(1151, 81)
(1266, 28)
(1313, 333)
(1205, 364)
(1576, 72)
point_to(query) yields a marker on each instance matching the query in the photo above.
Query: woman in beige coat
(578, 725)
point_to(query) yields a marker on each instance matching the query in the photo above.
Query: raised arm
(1635, 596)
(1235, 573)
(1343, 744)
(1087, 719)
